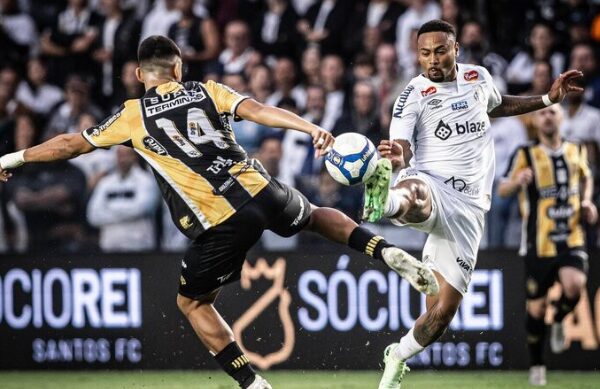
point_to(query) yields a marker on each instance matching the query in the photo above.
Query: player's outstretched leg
(573, 281)
(217, 336)
(428, 328)
(335, 226)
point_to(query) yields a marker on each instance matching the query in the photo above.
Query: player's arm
(588, 209)
(274, 117)
(60, 147)
(517, 176)
(517, 105)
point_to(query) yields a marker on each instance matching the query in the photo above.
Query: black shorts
(216, 257)
(541, 273)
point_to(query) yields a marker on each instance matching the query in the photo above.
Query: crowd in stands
(65, 65)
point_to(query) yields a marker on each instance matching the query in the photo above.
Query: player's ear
(456, 48)
(139, 75)
(178, 70)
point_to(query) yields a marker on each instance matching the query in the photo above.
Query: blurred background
(67, 64)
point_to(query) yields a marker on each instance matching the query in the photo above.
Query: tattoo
(432, 327)
(517, 105)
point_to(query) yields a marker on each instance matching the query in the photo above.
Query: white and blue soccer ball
(352, 159)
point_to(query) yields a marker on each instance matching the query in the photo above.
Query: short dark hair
(437, 25)
(157, 51)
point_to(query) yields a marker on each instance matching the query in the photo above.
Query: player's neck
(553, 142)
(149, 84)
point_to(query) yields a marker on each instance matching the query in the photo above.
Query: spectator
(284, 77)
(363, 116)
(7, 123)
(69, 42)
(581, 124)
(269, 154)
(418, 12)
(99, 162)
(9, 80)
(34, 93)
(158, 21)
(117, 40)
(387, 81)
(541, 48)
(275, 30)
(130, 87)
(371, 40)
(198, 39)
(18, 34)
(260, 83)
(363, 68)
(583, 58)
(332, 76)
(65, 118)
(123, 206)
(451, 13)
(311, 63)
(52, 198)
(324, 25)
(381, 15)
(298, 152)
(542, 79)
(237, 47)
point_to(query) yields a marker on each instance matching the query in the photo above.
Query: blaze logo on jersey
(429, 91)
(472, 75)
(443, 131)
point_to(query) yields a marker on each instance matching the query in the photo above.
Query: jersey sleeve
(114, 130)
(226, 99)
(518, 162)
(494, 96)
(583, 163)
(405, 114)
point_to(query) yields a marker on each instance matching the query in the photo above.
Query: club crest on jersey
(471, 75)
(429, 91)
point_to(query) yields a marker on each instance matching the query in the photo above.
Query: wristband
(12, 160)
(546, 100)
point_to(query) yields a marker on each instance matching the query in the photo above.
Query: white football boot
(537, 375)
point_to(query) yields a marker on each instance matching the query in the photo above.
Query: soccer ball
(352, 159)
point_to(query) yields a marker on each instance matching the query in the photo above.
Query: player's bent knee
(573, 290)
(536, 308)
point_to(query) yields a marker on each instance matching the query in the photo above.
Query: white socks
(392, 204)
(408, 347)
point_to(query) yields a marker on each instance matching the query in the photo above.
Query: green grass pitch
(288, 380)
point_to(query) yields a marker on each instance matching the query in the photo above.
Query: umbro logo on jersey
(429, 91)
(152, 144)
(435, 103)
(472, 75)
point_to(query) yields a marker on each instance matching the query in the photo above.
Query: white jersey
(449, 130)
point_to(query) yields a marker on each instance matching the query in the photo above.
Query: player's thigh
(290, 210)
(216, 257)
(540, 275)
(417, 194)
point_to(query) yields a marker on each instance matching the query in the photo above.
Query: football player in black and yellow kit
(555, 195)
(217, 196)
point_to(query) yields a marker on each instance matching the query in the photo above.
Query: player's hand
(564, 84)
(5, 175)
(394, 152)
(589, 212)
(322, 140)
(524, 177)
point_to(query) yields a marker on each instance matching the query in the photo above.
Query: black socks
(536, 335)
(366, 242)
(564, 306)
(236, 364)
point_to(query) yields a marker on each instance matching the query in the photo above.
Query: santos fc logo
(444, 131)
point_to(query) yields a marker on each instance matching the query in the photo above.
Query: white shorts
(455, 229)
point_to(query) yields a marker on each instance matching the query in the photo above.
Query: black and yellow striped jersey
(182, 131)
(550, 204)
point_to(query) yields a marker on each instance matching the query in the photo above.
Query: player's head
(159, 58)
(437, 50)
(547, 120)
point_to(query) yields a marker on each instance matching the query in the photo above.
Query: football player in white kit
(442, 149)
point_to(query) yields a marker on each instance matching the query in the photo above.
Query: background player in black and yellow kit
(218, 197)
(555, 195)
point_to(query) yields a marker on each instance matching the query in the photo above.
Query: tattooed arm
(517, 105)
